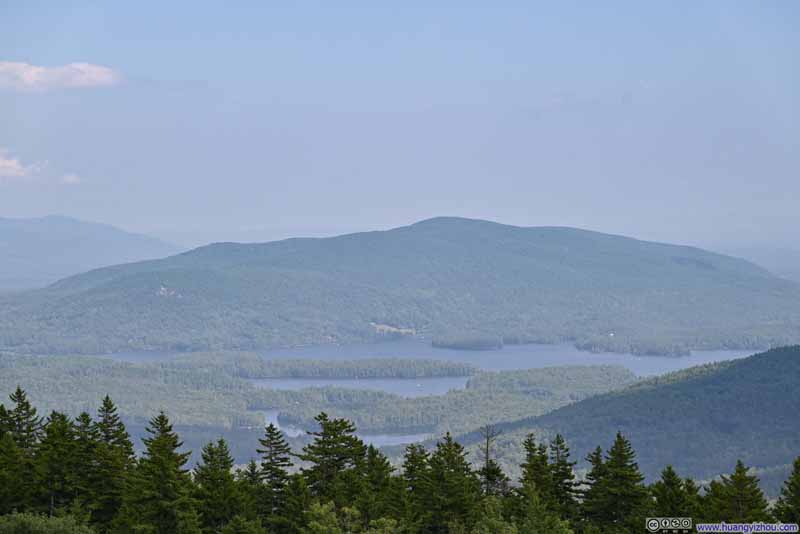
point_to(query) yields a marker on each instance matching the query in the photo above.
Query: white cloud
(32, 78)
(12, 169)
(70, 179)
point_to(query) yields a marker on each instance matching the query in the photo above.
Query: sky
(251, 121)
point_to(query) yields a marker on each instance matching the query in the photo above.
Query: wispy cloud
(12, 169)
(33, 78)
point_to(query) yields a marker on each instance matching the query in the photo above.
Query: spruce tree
(562, 478)
(334, 456)
(493, 480)
(669, 494)
(737, 498)
(416, 486)
(275, 463)
(490, 519)
(217, 493)
(787, 509)
(377, 497)
(537, 519)
(298, 500)
(23, 423)
(158, 496)
(455, 488)
(243, 525)
(56, 464)
(250, 487)
(114, 459)
(536, 474)
(86, 475)
(593, 499)
(15, 489)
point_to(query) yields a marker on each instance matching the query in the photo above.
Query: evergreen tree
(334, 456)
(671, 498)
(243, 525)
(85, 475)
(298, 500)
(490, 519)
(493, 480)
(737, 498)
(787, 509)
(275, 463)
(158, 497)
(416, 486)
(562, 478)
(617, 500)
(377, 497)
(15, 489)
(216, 491)
(56, 464)
(250, 487)
(113, 459)
(23, 423)
(537, 519)
(536, 474)
(454, 487)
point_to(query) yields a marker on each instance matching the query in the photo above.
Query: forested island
(79, 476)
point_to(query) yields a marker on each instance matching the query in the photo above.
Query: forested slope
(442, 278)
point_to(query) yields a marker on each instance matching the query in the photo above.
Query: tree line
(64, 475)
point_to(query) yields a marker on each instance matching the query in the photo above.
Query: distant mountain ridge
(39, 251)
(446, 277)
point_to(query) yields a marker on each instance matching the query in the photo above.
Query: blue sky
(198, 121)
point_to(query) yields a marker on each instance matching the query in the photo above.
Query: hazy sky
(198, 121)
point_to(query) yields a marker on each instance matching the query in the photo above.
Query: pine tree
(787, 509)
(455, 488)
(158, 499)
(56, 464)
(562, 478)
(275, 463)
(674, 497)
(250, 487)
(737, 498)
(24, 428)
(216, 490)
(334, 456)
(112, 430)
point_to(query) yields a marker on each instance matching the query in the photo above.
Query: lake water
(510, 357)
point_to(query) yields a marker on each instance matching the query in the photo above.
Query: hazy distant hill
(37, 252)
(447, 277)
(700, 420)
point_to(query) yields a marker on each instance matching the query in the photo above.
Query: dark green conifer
(536, 474)
(56, 464)
(455, 488)
(562, 478)
(216, 492)
(275, 463)
(737, 498)
(158, 497)
(416, 486)
(333, 458)
(787, 509)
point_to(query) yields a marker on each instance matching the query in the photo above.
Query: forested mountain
(700, 420)
(37, 252)
(446, 278)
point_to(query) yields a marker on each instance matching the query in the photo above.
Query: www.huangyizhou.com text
(747, 528)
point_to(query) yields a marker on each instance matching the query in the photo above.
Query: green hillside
(444, 278)
(700, 420)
